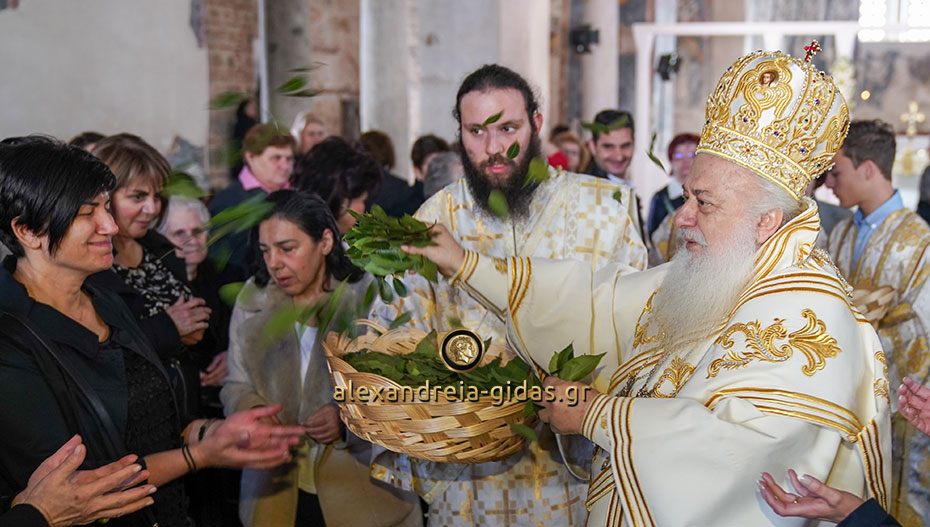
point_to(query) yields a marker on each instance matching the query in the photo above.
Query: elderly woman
(72, 360)
(185, 227)
(329, 482)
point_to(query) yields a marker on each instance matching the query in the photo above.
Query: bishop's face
(716, 193)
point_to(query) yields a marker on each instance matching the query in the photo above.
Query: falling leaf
(595, 127)
(620, 122)
(228, 99)
(182, 184)
(400, 320)
(493, 119)
(306, 69)
(537, 173)
(226, 154)
(498, 204)
(618, 196)
(229, 292)
(293, 84)
(513, 151)
(304, 93)
(652, 156)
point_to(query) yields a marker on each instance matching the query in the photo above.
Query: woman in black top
(146, 273)
(72, 360)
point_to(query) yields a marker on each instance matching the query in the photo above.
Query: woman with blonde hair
(307, 131)
(574, 149)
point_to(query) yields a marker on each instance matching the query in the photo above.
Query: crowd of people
(747, 328)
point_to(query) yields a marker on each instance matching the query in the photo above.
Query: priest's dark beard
(518, 197)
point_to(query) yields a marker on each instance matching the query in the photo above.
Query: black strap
(111, 433)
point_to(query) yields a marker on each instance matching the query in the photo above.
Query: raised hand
(245, 439)
(447, 254)
(912, 404)
(816, 501)
(67, 496)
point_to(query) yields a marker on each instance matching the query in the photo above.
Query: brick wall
(231, 26)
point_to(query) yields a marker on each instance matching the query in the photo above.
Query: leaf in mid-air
(402, 319)
(513, 150)
(228, 99)
(229, 292)
(652, 155)
(493, 119)
(295, 83)
(538, 171)
(498, 204)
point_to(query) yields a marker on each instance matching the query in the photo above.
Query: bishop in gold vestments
(744, 354)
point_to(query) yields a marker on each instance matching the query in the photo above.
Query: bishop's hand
(565, 409)
(446, 253)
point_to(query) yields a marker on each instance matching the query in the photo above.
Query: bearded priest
(744, 354)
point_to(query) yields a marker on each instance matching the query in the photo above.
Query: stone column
(600, 69)
(415, 54)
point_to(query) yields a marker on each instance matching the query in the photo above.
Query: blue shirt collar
(878, 216)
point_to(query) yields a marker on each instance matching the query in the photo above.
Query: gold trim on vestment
(852, 424)
(874, 464)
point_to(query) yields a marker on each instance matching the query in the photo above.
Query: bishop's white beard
(700, 290)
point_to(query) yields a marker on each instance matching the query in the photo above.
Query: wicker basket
(873, 302)
(437, 429)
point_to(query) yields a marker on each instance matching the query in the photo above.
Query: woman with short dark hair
(72, 360)
(344, 176)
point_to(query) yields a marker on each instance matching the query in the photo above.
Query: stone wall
(231, 27)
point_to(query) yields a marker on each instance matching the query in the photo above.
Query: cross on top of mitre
(811, 50)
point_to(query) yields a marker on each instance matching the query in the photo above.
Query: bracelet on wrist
(188, 458)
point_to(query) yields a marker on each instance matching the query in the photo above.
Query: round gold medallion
(461, 350)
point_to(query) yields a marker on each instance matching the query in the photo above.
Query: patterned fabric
(155, 281)
(793, 378)
(896, 255)
(664, 243)
(572, 216)
(152, 426)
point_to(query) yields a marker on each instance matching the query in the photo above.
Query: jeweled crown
(777, 116)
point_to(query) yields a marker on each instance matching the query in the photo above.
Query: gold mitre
(777, 116)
